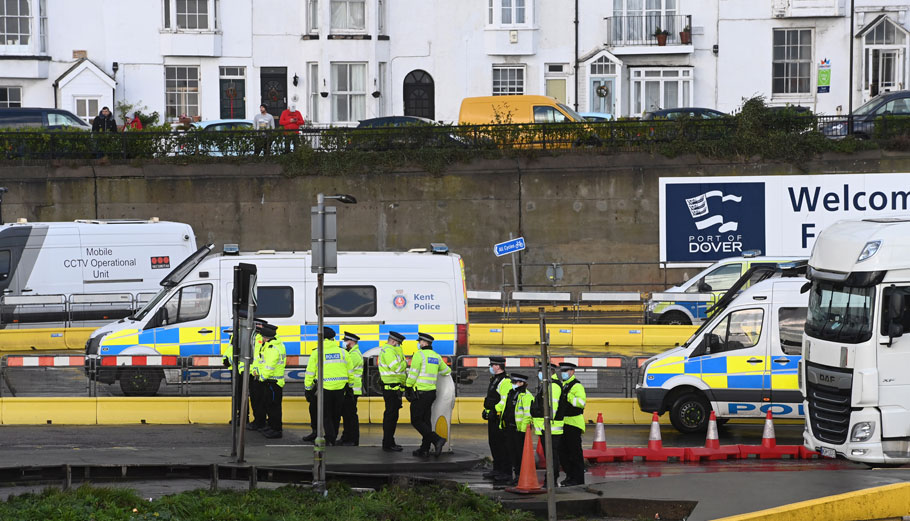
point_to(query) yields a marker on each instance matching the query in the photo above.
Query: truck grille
(829, 412)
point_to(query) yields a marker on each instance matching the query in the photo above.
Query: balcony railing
(639, 30)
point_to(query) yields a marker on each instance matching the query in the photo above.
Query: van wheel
(140, 382)
(690, 412)
(674, 318)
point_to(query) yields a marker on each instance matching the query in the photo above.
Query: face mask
(492, 370)
(565, 375)
(539, 375)
(516, 386)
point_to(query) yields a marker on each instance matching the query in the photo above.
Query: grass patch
(290, 503)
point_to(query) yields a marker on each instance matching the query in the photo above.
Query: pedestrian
(351, 435)
(335, 379)
(133, 123)
(227, 354)
(515, 419)
(104, 121)
(497, 390)
(571, 410)
(272, 360)
(393, 372)
(291, 119)
(265, 122)
(420, 388)
(537, 416)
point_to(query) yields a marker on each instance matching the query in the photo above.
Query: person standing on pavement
(291, 119)
(227, 353)
(334, 381)
(104, 121)
(265, 122)
(393, 371)
(537, 418)
(272, 360)
(499, 388)
(420, 388)
(571, 410)
(516, 417)
(351, 435)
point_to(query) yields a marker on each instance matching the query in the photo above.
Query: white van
(372, 293)
(53, 272)
(740, 363)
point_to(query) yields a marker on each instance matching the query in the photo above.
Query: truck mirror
(704, 287)
(895, 330)
(895, 314)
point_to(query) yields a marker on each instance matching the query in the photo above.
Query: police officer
(351, 435)
(335, 380)
(571, 410)
(499, 388)
(537, 418)
(271, 363)
(516, 417)
(227, 354)
(420, 388)
(393, 373)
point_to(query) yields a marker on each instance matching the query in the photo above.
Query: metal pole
(235, 374)
(515, 278)
(850, 88)
(319, 446)
(547, 406)
(246, 327)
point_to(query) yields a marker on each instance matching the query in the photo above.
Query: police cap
(498, 360)
(351, 336)
(269, 330)
(518, 377)
(425, 337)
(567, 365)
(328, 333)
(395, 335)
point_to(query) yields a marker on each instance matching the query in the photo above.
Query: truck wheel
(674, 318)
(690, 412)
(140, 382)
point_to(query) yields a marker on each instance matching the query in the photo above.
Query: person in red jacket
(291, 119)
(135, 123)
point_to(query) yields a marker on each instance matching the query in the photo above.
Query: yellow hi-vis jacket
(393, 367)
(355, 370)
(271, 361)
(426, 365)
(572, 404)
(227, 351)
(555, 426)
(335, 372)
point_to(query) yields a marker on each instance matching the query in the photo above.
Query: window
(348, 15)
(380, 16)
(42, 21)
(60, 119)
(232, 72)
(722, 278)
(549, 115)
(840, 313)
(738, 330)
(190, 303)
(350, 301)
(192, 14)
(898, 106)
(349, 97)
(508, 80)
(10, 97)
(312, 16)
(791, 323)
(274, 302)
(313, 67)
(15, 21)
(661, 88)
(383, 93)
(4, 264)
(513, 12)
(181, 91)
(635, 21)
(792, 61)
(167, 14)
(490, 10)
(87, 109)
(902, 315)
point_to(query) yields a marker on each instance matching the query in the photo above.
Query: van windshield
(572, 114)
(840, 313)
(139, 315)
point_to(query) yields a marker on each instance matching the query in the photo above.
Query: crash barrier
(593, 335)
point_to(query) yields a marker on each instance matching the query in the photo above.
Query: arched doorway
(419, 95)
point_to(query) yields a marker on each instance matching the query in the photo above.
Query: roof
(838, 246)
(80, 65)
(875, 21)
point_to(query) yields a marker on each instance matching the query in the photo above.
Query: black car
(692, 112)
(394, 121)
(396, 132)
(887, 104)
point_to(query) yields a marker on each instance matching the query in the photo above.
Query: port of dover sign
(705, 219)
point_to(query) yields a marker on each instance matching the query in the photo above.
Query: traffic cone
(654, 441)
(769, 449)
(655, 450)
(527, 478)
(768, 439)
(712, 441)
(712, 449)
(541, 457)
(600, 439)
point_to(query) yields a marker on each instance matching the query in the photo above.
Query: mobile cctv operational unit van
(371, 294)
(58, 273)
(716, 279)
(741, 362)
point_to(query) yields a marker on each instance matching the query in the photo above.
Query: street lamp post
(324, 260)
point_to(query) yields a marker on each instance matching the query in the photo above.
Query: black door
(419, 95)
(233, 98)
(274, 83)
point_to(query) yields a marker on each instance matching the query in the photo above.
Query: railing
(640, 29)
(78, 310)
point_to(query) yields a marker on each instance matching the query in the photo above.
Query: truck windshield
(840, 313)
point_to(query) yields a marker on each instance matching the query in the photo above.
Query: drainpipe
(55, 94)
(576, 55)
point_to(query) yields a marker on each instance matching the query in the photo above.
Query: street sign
(510, 246)
(324, 247)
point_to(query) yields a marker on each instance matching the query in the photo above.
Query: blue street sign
(510, 246)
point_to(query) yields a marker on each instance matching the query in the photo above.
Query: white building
(340, 61)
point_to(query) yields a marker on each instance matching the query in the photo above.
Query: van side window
(905, 312)
(274, 302)
(791, 322)
(544, 114)
(4, 264)
(190, 303)
(720, 279)
(739, 330)
(350, 301)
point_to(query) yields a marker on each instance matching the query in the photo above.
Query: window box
(191, 44)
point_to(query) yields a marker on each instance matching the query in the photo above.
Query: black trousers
(238, 394)
(314, 410)
(258, 401)
(392, 400)
(421, 410)
(571, 454)
(516, 449)
(272, 394)
(351, 421)
(499, 445)
(557, 440)
(331, 414)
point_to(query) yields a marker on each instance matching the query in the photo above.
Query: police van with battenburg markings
(371, 294)
(741, 363)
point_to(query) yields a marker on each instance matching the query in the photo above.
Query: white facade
(340, 61)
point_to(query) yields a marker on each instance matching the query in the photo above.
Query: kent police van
(371, 294)
(741, 363)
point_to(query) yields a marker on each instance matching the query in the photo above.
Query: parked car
(485, 110)
(216, 147)
(692, 112)
(886, 104)
(27, 117)
(403, 132)
(596, 117)
(394, 121)
(224, 124)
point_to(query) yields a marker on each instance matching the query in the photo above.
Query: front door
(273, 83)
(419, 95)
(784, 394)
(187, 324)
(602, 95)
(886, 70)
(893, 361)
(233, 96)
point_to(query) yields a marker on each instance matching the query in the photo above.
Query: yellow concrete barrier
(889, 501)
(654, 335)
(126, 411)
(49, 339)
(40, 411)
(208, 409)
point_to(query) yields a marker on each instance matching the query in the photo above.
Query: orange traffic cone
(527, 479)
(712, 449)
(712, 441)
(768, 439)
(541, 457)
(654, 442)
(769, 449)
(600, 439)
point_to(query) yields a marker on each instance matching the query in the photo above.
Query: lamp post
(324, 260)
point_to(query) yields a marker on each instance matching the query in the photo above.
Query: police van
(371, 294)
(69, 273)
(740, 363)
(716, 280)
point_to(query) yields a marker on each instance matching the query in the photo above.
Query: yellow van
(486, 110)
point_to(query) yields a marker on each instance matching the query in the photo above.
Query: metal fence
(77, 310)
